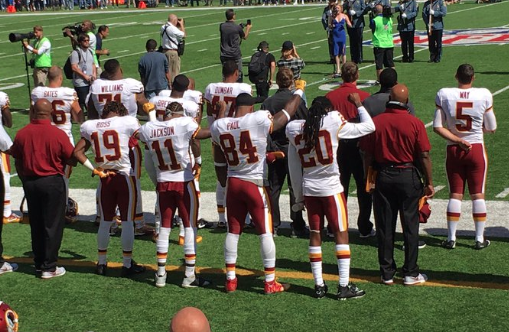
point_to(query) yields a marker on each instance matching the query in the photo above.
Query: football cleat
(481, 245)
(231, 285)
(273, 287)
(12, 219)
(160, 281)
(448, 244)
(100, 269)
(134, 269)
(350, 292)
(195, 281)
(144, 230)
(321, 291)
(221, 224)
(202, 223)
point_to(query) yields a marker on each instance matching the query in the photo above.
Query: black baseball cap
(245, 99)
(287, 45)
(263, 45)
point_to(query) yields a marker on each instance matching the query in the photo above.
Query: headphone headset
(397, 104)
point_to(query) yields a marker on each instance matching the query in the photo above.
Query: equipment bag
(68, 66)
(257, 66)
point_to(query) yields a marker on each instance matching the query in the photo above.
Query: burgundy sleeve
(422, 138)
(367, 143)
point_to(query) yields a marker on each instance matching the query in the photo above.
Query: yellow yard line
(281, 274)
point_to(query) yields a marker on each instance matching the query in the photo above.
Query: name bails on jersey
(168, 143)
(320, 176)
(61, 100)
(243, 141)
(465, 112)
(110, 141)
(123, 91)
(226, 92)
(191, 108)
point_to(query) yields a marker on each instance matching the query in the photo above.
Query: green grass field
(467, 289)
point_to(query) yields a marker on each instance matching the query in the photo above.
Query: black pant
(278, 171)
(407, 45)
(355, 35)
(350, 163)
(330, 41)
(397, 190)
(2, 193)
(82, 93)
(239, 66)
(46, 198)
(435, 45)
(262, 91)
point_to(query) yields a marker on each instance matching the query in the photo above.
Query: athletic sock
(162, 249)
(103, 240)
(190, 251)
(315, 258)
(479, 215)
(230, 254)
(343, 256)
(127, 239)
(453, 217)
(268, 251)
(220, 201)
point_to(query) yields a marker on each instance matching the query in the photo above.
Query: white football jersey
(226, 92)
(192, 95)
(123, 91)
(4, 102)
(320, 176)
(168, 143)
(61, 100)
(190, 107)
(244, 143)
(110, 141)
(463, 112)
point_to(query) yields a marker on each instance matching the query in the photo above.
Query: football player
(113, 86)
(5, 163)
(226, 91)
(110, 139)
(314, 144)
(169, 143)
(242, 141)
(463, 114)
(66, 108)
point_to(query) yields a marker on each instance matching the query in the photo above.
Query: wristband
(299, 92)
(88, 165)
(30, 48)
(198, 160)
(288, 117)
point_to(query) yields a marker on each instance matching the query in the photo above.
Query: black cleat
(134, 269)
(202, 223)
(448, 244)
(299, 233)
(349, 292)
(481, 245)
(320, 291)
(100, 269)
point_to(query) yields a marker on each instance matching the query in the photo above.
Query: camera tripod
(27, 73)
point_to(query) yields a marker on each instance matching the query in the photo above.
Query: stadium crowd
(377, 139)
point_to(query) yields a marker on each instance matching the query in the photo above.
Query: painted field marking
(438, 188)
(202, 50)
(316, 47)
(123, 51)
(503, 194)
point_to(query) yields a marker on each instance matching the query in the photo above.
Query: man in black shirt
(231, 37)
(277, 141)
(265, 66)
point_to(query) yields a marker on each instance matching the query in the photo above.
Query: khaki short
(40, 75)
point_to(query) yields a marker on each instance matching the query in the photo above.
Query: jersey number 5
(467, 125)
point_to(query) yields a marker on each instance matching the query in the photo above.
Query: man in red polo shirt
(41, 151)
(349, 157)
(394, 150)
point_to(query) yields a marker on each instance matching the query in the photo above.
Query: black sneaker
(448, 244)
(202, 223)
(134, 269)
(299, 233)
(320, 291)
(349, 292)
(100, 269)
(481, 245)
(195, 282)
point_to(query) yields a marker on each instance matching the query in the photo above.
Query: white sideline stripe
(438, 188)
(503, 194)
(316, 47)
(124, 51)
(494, 94)
(203, 50)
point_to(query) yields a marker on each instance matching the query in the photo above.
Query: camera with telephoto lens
(16, 37)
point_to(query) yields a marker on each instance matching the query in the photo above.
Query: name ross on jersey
(225, 90)
(232, 125)
(161, 132)
(52, 94)
(112, 88)
(102, 124)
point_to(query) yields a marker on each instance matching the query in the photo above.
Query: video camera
(387, 11)
(16, 37)
(75, 29)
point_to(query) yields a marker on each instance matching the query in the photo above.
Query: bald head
(172, 18)
(399, 93)
(55, 74)
(190, 319)
(42, 109)
(379, 9)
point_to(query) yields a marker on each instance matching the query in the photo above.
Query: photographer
(87, 28)
(41, 59)
(84, 69)
(172, 33)
(102, 33)
(231, 37)
(383, 43)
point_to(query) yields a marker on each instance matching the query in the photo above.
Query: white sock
(230, 254)
(343, 256)
(479, 215)
(7, 186)
(182, 230)
(103, 240)
(190, 251)
(127, 239)
(220, 201)
(453, 217)
(315, 258)
(162, 249)
(268, 251)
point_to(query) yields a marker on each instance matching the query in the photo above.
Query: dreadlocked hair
(114, 107)
(314, 120)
